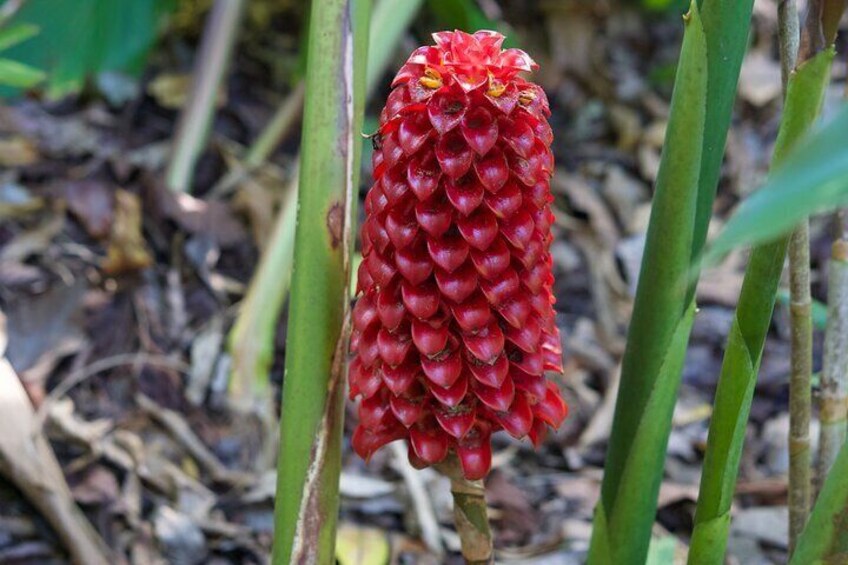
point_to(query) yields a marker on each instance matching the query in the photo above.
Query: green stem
(744, 348)
(800, 398)
(800, 306)
(313, 389)
(470, 514)
(219, 38)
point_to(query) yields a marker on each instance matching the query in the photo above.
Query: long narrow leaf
(313, 400)
(745, 342)
(721, 31)
(814, 179)
(726, 24)
(659, 308)
(611, 537)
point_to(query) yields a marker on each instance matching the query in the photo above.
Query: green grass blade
(825, 539)
(313, 390)
(745, 343)
(660, 302)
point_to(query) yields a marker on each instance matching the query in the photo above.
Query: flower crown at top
(469, 59)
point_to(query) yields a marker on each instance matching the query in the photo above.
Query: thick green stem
(313, 388)
(744, 349)
(834, 377)
(219, 38)
(713, 47)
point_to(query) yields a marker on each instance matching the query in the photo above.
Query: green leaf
(813, 180)
(825, 539)
(14, 34)
(660, 305)
(80, 38)
(727, 25)
(19, 75)
(637, 505)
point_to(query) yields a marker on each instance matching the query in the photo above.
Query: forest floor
(118, 297)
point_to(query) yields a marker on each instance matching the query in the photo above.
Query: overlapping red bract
(455, 326)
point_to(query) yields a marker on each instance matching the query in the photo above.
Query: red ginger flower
(455, 326)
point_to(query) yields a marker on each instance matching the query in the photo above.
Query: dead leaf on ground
(91, 202)
(16, 200)
(127, 249)
(34, 241)
(257, 198)
(42, 331)
(213, 219)
(171, 90)
(17, 151)
(356, 545)
(27, 460)
(759, 80)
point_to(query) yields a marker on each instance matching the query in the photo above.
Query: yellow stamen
(525, 97)
(496, 87)
(431, 79)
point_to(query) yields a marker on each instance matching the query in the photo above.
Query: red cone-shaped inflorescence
(454, 329)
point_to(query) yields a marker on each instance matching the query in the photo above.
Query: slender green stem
(313, 387)
(219, 38)
(282, 122)
(743, 352)
(833, 407)
(825, 539)
(800, 318)
(788, 37)
(470, 514)
(713, 47)
(800, 398)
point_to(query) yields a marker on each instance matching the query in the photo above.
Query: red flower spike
(454, 328)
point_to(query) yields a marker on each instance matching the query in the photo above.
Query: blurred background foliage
(106, 43)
